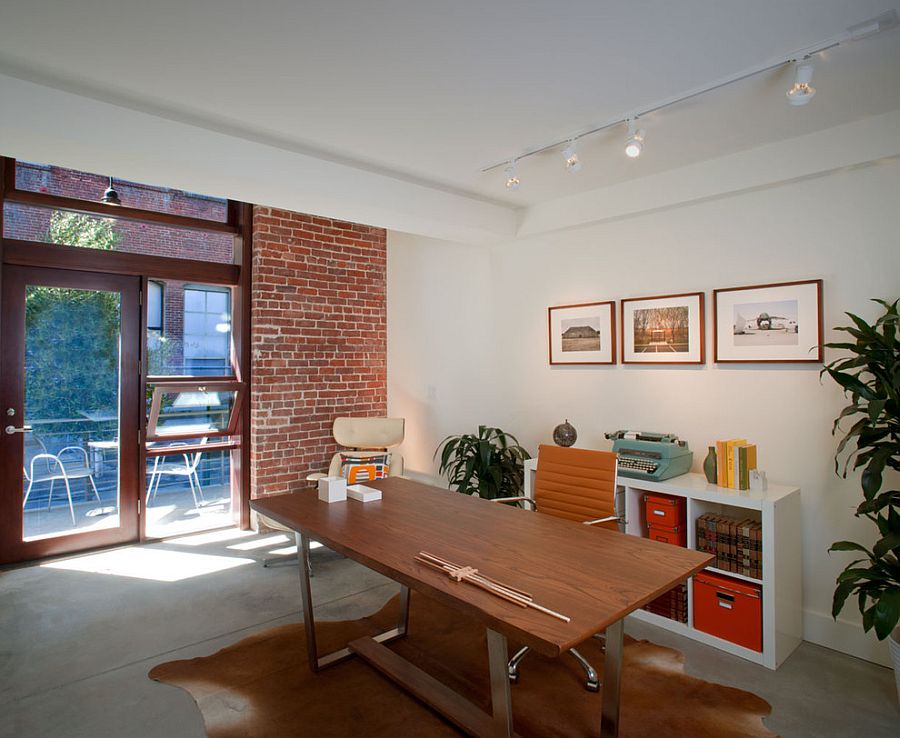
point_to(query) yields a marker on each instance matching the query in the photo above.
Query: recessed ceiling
(435, 91)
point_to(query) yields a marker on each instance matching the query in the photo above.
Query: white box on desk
(332, 489)
(362, 493)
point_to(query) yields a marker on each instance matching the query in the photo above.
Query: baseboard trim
(844, 636)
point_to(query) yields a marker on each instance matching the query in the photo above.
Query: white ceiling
(435, 91)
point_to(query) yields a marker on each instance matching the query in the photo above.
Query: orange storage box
(664, 510)
(728, 608)
(677, 536)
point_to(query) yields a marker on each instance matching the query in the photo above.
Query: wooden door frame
(238, 275)
(12, 394)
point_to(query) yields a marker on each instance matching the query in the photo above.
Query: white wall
(841, 227)
(440, 311)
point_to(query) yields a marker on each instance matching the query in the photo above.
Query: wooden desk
(594, 576)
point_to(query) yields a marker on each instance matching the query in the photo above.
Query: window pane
(55, 180)
(192, 410)
(179, 501)
(30, 223)
(71, 465)
(194, 341)
(154, 306)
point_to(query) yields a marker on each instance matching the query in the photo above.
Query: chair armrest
(516, 499)
(609, 519)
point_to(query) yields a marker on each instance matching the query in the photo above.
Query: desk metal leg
(501, 697)
(612, 678)
(317, 662)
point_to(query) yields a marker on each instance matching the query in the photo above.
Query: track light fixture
(573, 163)
(802, 91)
(111, 196)
(635, 143)
(512, 178)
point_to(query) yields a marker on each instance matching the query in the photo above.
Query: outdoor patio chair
(68, 464)
(188, 469)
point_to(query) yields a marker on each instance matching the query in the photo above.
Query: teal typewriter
(650, 456)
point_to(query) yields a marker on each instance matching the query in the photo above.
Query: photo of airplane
(764, 322)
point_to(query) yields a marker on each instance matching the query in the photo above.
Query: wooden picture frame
(769, 323)
(663, 329)
(592, 329)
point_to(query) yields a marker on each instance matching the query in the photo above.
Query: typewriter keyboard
(641, 465)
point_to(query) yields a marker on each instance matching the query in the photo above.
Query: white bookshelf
(777, 508)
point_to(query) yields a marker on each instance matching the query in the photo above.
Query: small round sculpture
(564, 434)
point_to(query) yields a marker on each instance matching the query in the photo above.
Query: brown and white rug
(261, 687)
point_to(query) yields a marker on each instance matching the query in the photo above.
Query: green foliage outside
(72, 335)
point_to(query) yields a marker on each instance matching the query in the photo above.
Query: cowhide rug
(261, 687)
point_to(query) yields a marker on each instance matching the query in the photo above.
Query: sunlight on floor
(150, 563)
(214, 536)
(260, 543)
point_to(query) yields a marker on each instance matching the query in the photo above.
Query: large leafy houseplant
(870, 377)
(489, 463)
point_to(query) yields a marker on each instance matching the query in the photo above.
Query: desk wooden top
(593, 575)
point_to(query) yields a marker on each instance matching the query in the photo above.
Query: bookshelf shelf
(714, 570)
(777, 508)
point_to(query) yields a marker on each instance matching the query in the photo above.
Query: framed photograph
(583, 334)
(769, 323)
(663, 330)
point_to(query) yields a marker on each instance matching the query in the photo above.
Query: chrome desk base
(317, 662)
(498, 656)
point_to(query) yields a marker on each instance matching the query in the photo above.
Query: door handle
(10, 429)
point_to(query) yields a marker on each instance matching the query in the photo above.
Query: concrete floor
(78, 636)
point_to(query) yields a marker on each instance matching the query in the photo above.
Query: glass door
(69, 399)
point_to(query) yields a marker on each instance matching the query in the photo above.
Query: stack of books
(734, 460)
(672, 605)
(737, 544)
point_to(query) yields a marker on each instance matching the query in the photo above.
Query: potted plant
(870, 377)
(488, 464)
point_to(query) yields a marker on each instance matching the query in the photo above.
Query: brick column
(319, 340)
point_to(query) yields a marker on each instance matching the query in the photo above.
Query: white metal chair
(68, 464)
(187, 469)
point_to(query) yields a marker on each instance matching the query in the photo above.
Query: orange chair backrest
(576, 484)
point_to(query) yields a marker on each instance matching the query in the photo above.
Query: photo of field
(581, 334)
(661, 330)
(766, 323)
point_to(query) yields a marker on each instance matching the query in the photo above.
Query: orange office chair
(576, 484)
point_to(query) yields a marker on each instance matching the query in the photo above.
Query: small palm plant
(488, 464)
(870, 377)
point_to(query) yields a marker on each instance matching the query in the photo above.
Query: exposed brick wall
(319, 339)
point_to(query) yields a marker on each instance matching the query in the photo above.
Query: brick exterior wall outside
(30, 223)
(319, 343)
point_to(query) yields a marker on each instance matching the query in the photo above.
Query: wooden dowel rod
(494, 581)
(487, 584)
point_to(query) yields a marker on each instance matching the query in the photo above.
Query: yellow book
(730, 480)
